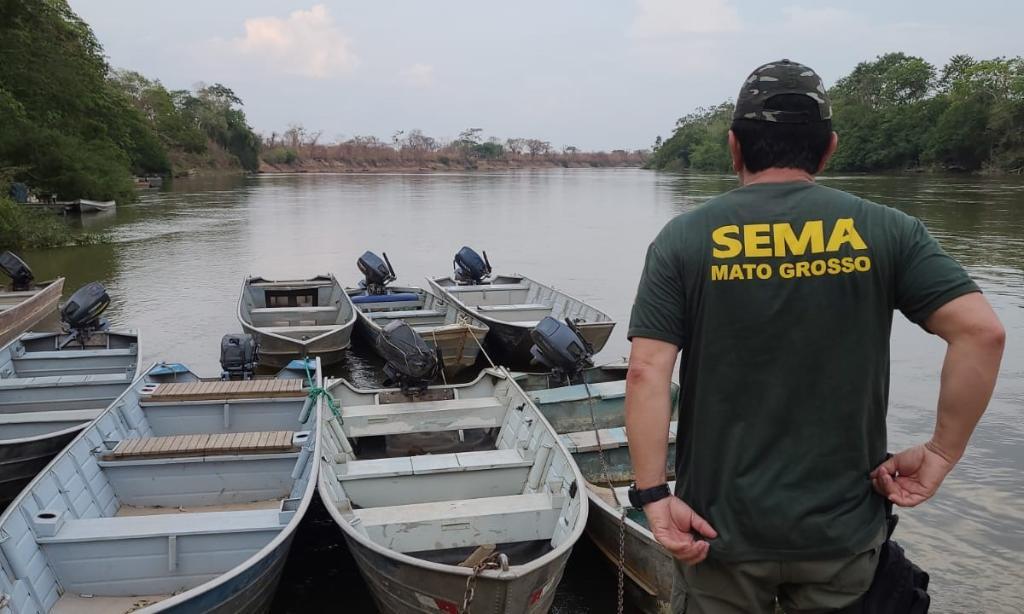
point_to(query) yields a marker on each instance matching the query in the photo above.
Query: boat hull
(509, 345)
(278, 352)
(28, 313)
(405, 589)
(20, 461)
(252, 590)
(649, 567)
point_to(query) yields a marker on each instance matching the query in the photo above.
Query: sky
(594, 74)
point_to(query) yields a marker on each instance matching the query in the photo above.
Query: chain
(492, 561)
(615, 497)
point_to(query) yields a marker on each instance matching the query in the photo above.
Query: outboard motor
(238, 357)
(82, 313)
(377, 273)
(470, 268)
(560, 347)
(410, 363)
(15, 268)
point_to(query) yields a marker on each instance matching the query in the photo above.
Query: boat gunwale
(304, 343)
(71, 429)
(515, 571)
(435, 283)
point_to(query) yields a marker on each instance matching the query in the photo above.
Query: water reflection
(178, 257)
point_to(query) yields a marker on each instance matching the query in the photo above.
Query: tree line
(296, 145)
(897, 112)
(73, 126)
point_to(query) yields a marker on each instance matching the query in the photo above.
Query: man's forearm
(968, 378)
(648, 411)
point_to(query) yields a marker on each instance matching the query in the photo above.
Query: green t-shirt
(781, 297)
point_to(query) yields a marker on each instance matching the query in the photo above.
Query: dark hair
(784, 145)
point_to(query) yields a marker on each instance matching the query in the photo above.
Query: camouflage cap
(782, 77)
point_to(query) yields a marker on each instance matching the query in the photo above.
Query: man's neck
(775, 175)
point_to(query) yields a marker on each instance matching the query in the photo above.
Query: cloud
(305, 43)
(662, 18)
(418, 75)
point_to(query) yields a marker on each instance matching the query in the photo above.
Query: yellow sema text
(781, 240)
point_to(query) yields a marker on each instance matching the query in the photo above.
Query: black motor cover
(15, 268)
(410, 362)
(559, 346)
(86, 305)
(238, 356)
(377, 272)
(470, 268)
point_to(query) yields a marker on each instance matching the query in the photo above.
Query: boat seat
(586, 441)
(520, 307)
(159, 525)
(486, 288)
(285, 311)
(422, 416)
(406, 313)
(505, 458)
(50, 381)
(461, 523)
(69, 415)
(175, 392)
(203, 444)
(296, 328)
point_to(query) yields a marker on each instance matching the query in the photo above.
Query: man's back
(783, 295)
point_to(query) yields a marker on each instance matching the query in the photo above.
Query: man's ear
(736, 152)
(833, 143)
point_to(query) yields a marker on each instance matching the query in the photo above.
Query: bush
(21, 227)
(280, 155)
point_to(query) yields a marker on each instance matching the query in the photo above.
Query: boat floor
(132, 510)
(518, 553)
(77, 604)
(415, 444)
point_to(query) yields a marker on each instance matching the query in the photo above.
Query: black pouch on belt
(899, 586)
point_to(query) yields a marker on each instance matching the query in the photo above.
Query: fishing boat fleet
(131, 489)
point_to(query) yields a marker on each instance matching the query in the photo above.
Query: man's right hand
(912, 476)
(673, 523)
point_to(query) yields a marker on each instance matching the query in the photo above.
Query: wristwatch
(639, 498)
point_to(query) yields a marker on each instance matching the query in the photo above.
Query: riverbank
(21, 227)
(432, 166)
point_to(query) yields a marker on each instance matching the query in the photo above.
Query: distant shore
(430, 166)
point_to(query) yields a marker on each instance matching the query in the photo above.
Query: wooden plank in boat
(214, 391)
(204, 444)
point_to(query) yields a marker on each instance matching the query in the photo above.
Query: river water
(177, 258)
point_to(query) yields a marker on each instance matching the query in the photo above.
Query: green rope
(315, 392)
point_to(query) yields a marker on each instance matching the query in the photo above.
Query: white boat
(458, 335)
(297, 318)
(183, 496)
(460, 487)
(511, 305)
(95, 206)
(51, 387)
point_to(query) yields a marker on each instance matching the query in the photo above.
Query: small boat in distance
(457, 335)
(458, 486)
(297, 318)
(24, 303)
(95, 206)
(183, 496)
(511, 305)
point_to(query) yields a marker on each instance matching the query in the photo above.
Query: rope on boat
(615, 497)
(493, 366)
(440, 356)
(494, 560)
(314, 393)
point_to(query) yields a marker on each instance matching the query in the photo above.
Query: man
(780, 295)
